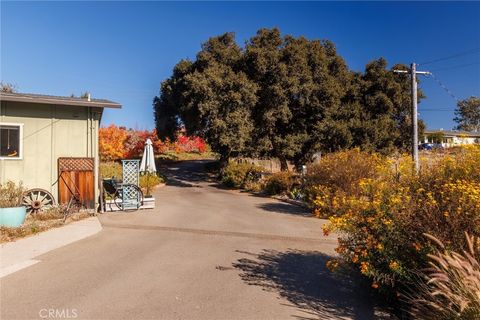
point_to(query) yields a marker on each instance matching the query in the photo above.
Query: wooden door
(76, 176)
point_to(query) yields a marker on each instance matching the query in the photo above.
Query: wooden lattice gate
(76, 176)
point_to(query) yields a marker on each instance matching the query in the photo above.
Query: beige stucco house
(43, 137)
(451, 138)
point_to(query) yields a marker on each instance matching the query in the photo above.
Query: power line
(460, 54)
(458, 66)
(444, 87)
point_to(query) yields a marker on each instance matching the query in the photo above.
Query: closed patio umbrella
(147, 165)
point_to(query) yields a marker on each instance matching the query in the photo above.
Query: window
(10, 141)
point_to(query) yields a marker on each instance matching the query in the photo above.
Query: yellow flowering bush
(381, 221)
(337, 175)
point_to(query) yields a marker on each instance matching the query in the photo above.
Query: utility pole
(413, 75)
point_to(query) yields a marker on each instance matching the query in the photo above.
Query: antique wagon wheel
(37, 200)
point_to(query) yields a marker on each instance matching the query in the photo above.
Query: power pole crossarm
(413, 74)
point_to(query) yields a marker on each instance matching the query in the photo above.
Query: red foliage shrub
(119, 143)
(191, 144)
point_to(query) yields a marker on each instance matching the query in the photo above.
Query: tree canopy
(7, 87)
(212, 97)
(468, 114)
(286, 97)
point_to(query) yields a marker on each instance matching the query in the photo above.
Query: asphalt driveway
(203, 253)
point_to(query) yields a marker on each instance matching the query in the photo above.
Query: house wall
(452, 141)
(49, 132)
(463, 140)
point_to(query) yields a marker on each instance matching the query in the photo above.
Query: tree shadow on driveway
(286, 208)
(302, 278)
(185, 174)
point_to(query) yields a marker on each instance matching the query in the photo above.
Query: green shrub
(297, 193)
(239, 175)
(110, 169)
(11, 195)
(280, 183)
(150, 180)
(253, 186)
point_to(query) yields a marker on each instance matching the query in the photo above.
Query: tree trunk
(224, 157)
(283, 163)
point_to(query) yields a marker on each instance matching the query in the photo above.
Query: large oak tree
(285, 97)
(212, 97)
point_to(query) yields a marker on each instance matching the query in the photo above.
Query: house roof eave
(58, 100)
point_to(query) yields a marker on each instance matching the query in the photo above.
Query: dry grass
(30, 227)
(10, 194)
(341, 171)
(452, 284)
(78, 216)
(185, 156)
(43, 221)
(51, 214)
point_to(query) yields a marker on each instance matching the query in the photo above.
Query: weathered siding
(49, 132)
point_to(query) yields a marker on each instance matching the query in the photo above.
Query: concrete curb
(291, 201)
(20, 254)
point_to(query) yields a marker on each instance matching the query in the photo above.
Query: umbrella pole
(148, 172)
(148, 183)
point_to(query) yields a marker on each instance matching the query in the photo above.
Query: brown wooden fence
(270, 165)
(76, 176)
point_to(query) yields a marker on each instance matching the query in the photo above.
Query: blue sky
(123, 50)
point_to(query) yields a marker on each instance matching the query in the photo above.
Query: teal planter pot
(12, 217)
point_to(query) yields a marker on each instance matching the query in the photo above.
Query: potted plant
(148, 181)
(12, 213)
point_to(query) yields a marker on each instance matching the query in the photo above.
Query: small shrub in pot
(11, 195)
(12, 213)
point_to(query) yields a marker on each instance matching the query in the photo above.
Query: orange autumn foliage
(120, 143)
(112, 142)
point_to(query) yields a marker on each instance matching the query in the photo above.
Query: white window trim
(20, 136)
